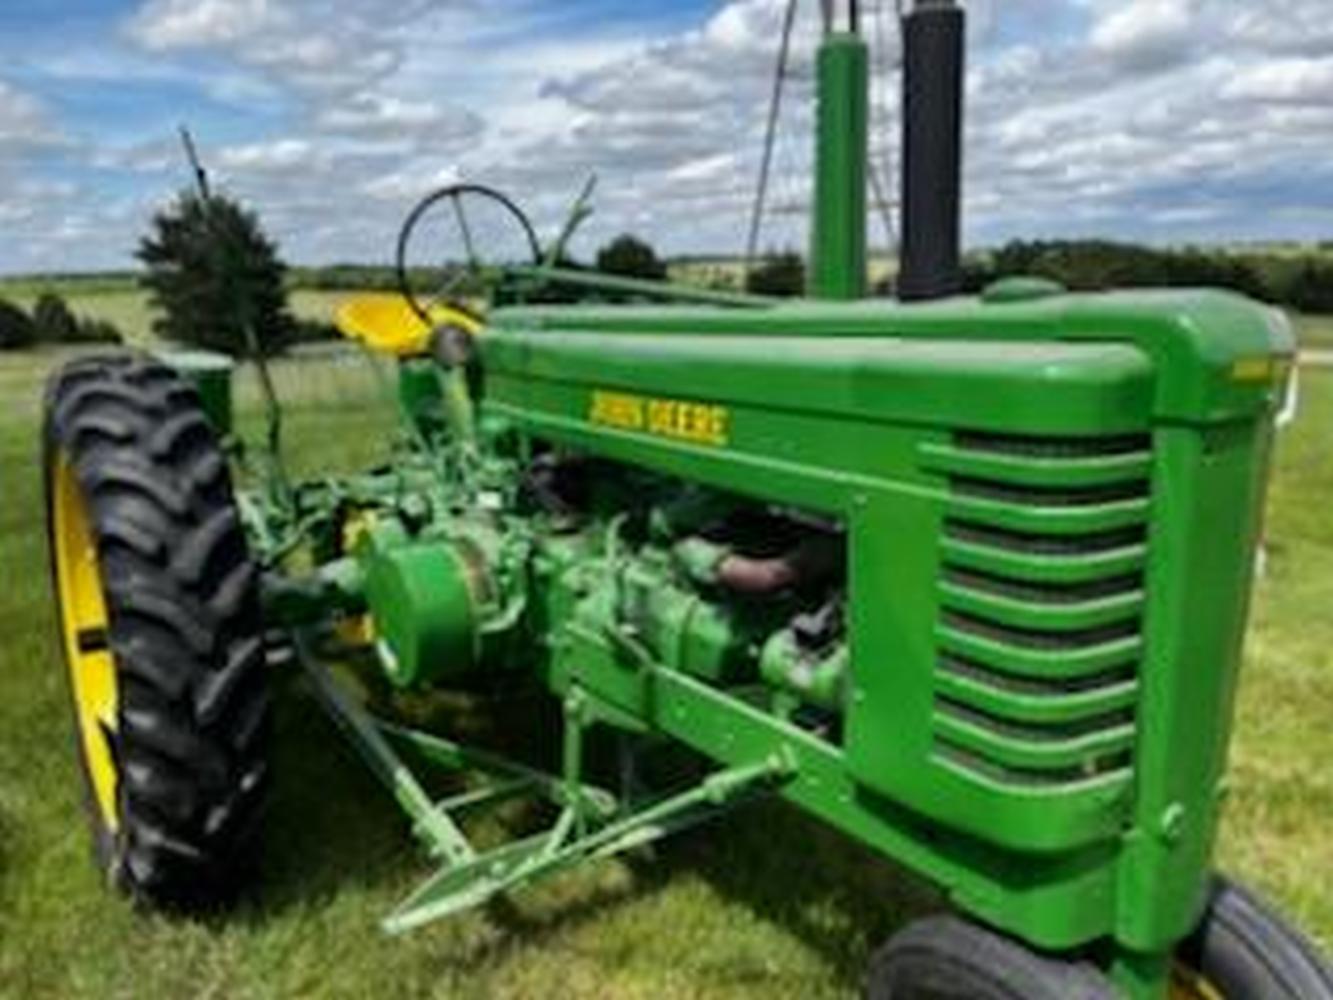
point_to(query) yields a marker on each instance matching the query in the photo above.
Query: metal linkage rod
(430, 823)
(639, 287)
(461, 887)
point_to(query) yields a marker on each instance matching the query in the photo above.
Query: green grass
(122, 302)
(764, 904)
(1316, 331)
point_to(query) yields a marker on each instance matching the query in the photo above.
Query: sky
(1163, 120)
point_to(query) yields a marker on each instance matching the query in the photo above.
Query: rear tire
(1242, 949)
(947, 958)
(158, 592)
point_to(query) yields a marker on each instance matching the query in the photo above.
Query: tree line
(215, 278)
(1300, 281)
(51, 321)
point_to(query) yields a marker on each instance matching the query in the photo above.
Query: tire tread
(185, 628)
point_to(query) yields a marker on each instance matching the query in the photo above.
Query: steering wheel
(464, 221)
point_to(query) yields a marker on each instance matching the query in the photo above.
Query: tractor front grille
(1039, 636)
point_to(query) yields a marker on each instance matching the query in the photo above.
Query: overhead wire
(770, 135)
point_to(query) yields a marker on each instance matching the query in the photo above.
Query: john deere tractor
(964, 578)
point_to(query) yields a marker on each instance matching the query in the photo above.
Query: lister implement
(964, 578)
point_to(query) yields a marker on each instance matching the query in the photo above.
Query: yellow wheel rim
(1186, 984)
(83, 626)
(356, 630)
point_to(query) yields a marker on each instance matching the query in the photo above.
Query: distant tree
(630, 257)
(211, 271)
(1094, 265)
(977, 273)
(99, 331)
(720, 280)
(311, 331)
(17, 329)
(1312, 289)
(55, 323)
(549, 292)
(780, 274)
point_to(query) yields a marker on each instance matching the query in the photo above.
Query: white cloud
(1290, 27)
(24, 122)
(262, 157)
(379, 115)
(706, 168)
(161, 154)
(409, 184)
(173, 24)
(1293, 80)
(1159, 118)
(1146, 34)
(314, 45)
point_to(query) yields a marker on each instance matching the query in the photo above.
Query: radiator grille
(1041, 593)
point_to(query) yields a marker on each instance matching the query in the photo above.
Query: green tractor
(964, 578)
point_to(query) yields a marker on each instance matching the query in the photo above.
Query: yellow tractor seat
(387, 323)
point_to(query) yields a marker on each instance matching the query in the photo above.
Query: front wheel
(1242, 950)
(948, 958)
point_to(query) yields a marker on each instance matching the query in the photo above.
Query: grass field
(122, 303)
(1316, 331)
(765, 904)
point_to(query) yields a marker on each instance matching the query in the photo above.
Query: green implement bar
(635, 287)
(454, 889)
(592, 823)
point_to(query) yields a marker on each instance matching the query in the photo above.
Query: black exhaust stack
(933, 42)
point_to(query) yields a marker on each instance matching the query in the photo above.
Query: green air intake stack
(838, 231)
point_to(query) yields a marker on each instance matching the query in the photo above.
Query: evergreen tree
(1312, 289)
(780, 274)
(17, 329)
(212, 271)
(99, 331)
(630, 257)
(55, 323)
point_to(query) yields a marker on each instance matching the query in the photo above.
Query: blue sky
(1165, 120)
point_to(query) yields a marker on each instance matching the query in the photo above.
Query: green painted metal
(431, 823)
(592, 823)
(523, 279)
(811, 677)
(1048, 508)
(211, 374)
(426, 609)
(1197, 337)
(471, 884)
(1014, 671)
(838, 238)
(457, 401)
(420, 394)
